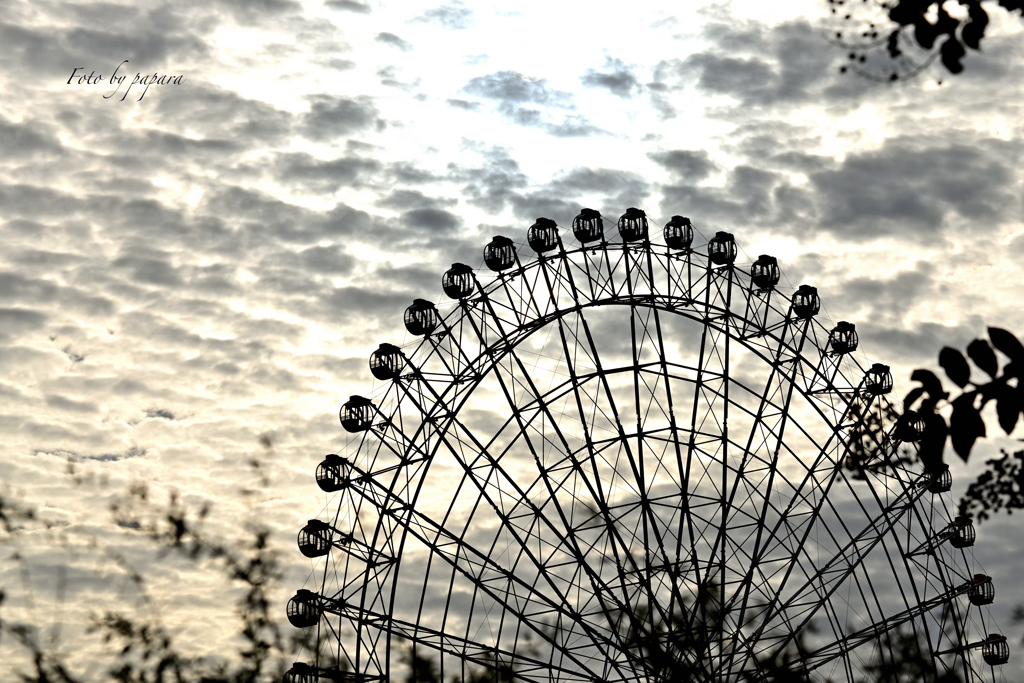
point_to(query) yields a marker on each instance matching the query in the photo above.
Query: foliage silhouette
(867, 448)
(141, 649)
(902, 659)
(495, 672)
(424, 669)
(924, 25)
(965, 424)
(1001, 486)
(675, 649)
(421, 669)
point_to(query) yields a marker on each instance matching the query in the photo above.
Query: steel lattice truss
(623, 462)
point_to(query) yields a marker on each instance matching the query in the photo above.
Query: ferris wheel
(625, 460)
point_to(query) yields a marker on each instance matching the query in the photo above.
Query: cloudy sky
(194, 274)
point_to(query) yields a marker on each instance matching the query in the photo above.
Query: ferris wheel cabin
(633, 225)
(542, 235)
(765, 272)
(333, 472)
(678, 233)
(588, 226)
(500, 253)
(843, 338)
(457, 282)
(421, 317)
(722, 248)
(386, 362)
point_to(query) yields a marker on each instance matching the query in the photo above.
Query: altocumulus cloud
(185, 276)
(334, 117)
(941, 186)
(511, 88)
(394, 41)
(453, 15)
(431, 219)
(348, 6)
(514, 94)
(616, 77)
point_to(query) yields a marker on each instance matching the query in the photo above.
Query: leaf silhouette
(1008, 407)
(893, 44)
(965, 425)
(1007, 343)
(974, 31)
(933, 442)
(955, 365)
(904, 13)
(952, 53)
(1013, 369)
(911, 397)
(946, 23)
(983, 356)
(930, 382)
(925, 33)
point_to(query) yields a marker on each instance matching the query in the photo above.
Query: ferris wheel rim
(475, 375)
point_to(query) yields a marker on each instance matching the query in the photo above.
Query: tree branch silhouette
(140, 649)
(922, 26)
(965, 424)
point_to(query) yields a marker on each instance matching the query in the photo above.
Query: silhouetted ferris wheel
(631, 461)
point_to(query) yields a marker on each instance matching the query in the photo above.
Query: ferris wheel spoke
(540, 402)
(502, 585)
(692, 531)
(677, 602)
(792, 558)
(792, 625)
(843, 646)
(767, 438)
(655, 553)
(598, 589)
(614, 534)
(781, 543)
(670, 559)
(619, 547)
(657, 609)
(564, 551)
(568, 467)
(805, 601)
(710, 417)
